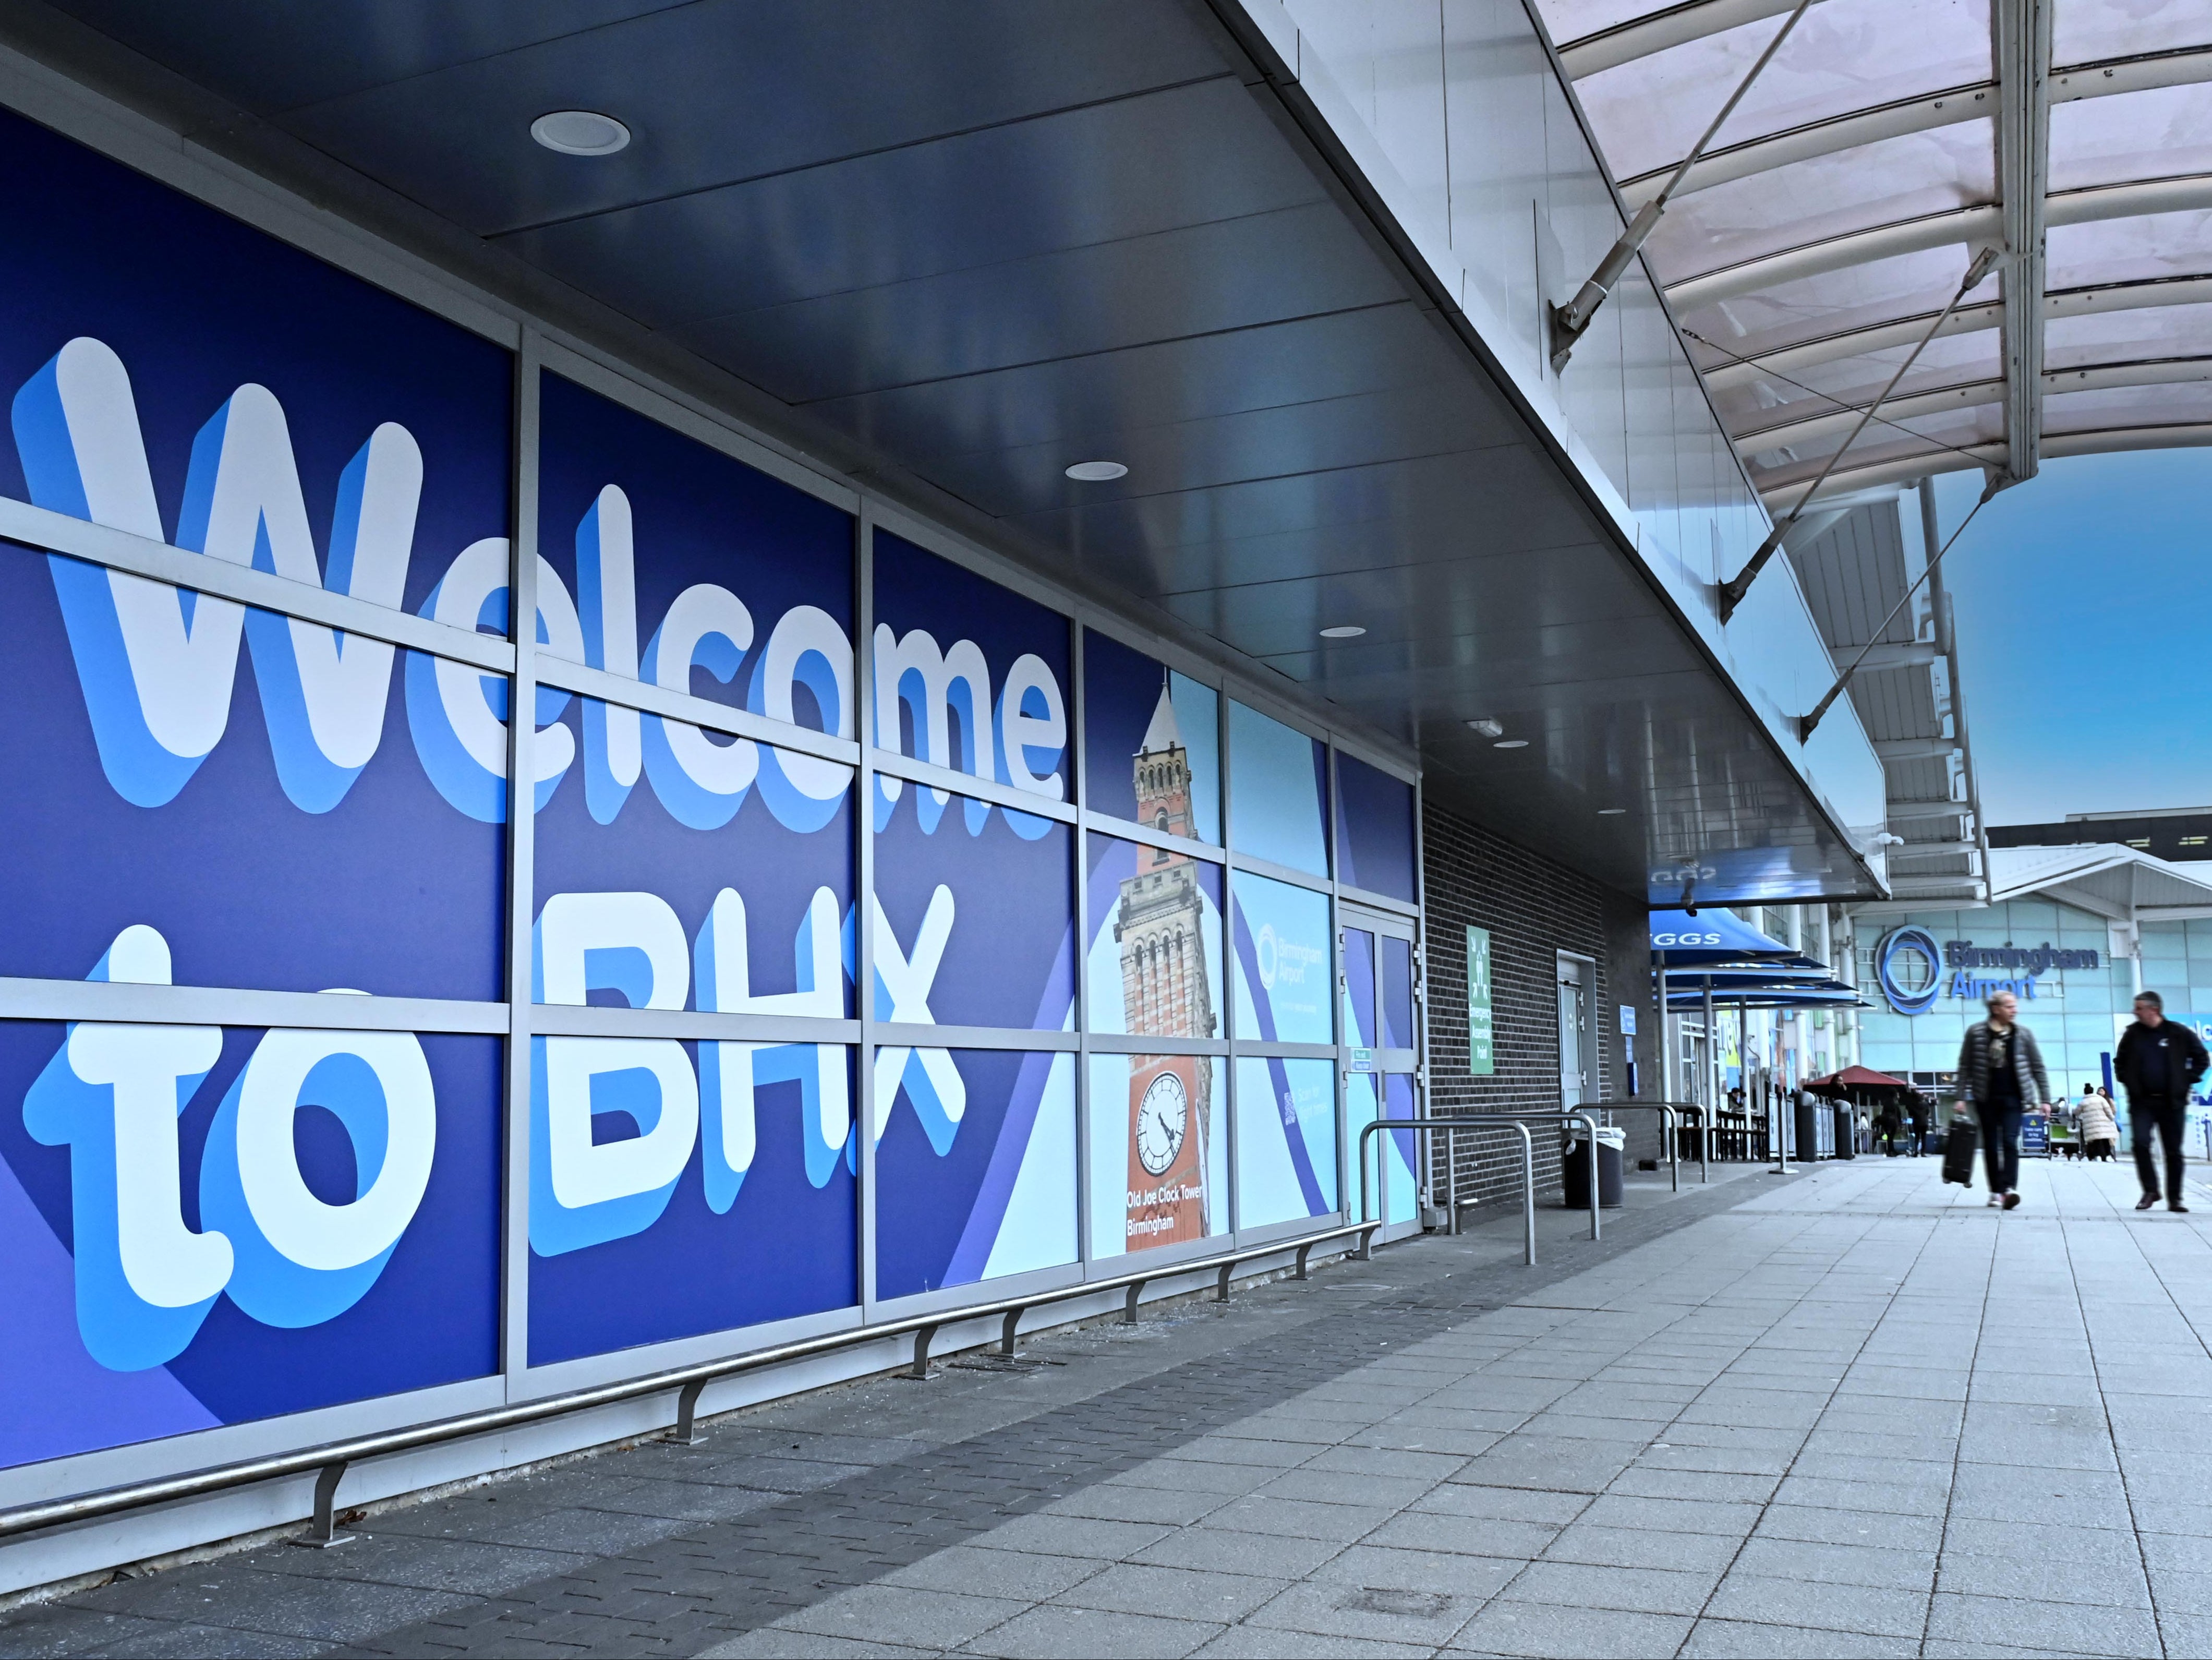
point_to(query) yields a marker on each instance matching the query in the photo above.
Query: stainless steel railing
(1455, 1122)
(330, 1460)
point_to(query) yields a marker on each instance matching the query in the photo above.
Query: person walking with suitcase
(2158, 1063)
(2000, 1073)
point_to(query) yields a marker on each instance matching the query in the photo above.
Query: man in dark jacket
(2158, 1063)
(2000, 1075)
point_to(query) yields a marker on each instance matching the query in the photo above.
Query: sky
(2079, 596)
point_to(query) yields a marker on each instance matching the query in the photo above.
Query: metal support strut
(1571, 321)
(323, 1531)
(1733, 591)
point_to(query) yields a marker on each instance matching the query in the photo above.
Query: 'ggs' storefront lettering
(1912, 976)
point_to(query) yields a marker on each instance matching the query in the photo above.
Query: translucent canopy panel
(1649, 112)
(1761, 400)
(2092, 31)
(2144, 333)
(1830, 222)
(1858, 296)
(1933, 437)
(2129, 406)
(2159, 244)
(1881, 184)
(2158, 134)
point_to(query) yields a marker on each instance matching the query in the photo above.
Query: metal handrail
(1669, 1113)
(1468, 1121)
(331, 1459)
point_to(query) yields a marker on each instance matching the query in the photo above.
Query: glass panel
(1374, 829)
(2122, 337)
(1878, 184)
(1278, 792)
(1155, 947)
(2157, 134)
(1813, 308)
(974, 914)
(114, 1332)
(663, 908)
(1395, 1092)
(1753, 399)
(2129, 250)
(695, 573)
(1397, 987)
(1152, 742)
(1649, 112)
(1359, 1016)
(968, 675)
(233, 880)
(333, 402)
(1159, 1152)
(2128, 406)
(1280, 937)
(1286, 1148)
(2088, 30)
(678, 1188)
(974, 1166)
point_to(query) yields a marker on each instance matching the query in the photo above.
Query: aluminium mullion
(1421, 989)
(47, 530)
(521, 869)
(233, 1006)
(688, 1026)
(622, 691)
(951, 779)
(1129, 831)
(863, 898)
(1079, 847)
(1231, 1031)
(1332, 856)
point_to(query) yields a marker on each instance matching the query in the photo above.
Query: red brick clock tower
(1165, 991)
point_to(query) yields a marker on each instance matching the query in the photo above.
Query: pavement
(1849, 1413)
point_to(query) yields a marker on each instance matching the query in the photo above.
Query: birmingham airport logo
(1909, 969)
(157, 664)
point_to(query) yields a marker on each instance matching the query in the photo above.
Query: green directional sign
(1481, 1051)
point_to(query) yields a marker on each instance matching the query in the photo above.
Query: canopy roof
(1838, 209)
(2119, 882)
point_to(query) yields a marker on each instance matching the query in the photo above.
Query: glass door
(1379, 992)
(1575, 977)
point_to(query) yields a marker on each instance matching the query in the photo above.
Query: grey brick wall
(1534, 908)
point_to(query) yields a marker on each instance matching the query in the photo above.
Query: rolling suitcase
(1959, 1152)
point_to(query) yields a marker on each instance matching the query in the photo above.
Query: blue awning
(1711, 936)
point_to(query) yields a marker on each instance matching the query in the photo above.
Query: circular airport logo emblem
(1910, 969)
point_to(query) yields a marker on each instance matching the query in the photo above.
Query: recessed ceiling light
(580, 132)
(1487, 728)
(1611, 813)
(1098, 472)
(1510, 743)
(1343, 631)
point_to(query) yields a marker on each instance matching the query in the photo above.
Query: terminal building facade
(629, 754)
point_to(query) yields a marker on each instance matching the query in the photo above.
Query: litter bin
(1847, 1137)
(1809, 1133)
(1574, 1158)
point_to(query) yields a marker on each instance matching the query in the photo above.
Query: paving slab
(1853, 1412)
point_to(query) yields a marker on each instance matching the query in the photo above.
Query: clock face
(1162, 1117)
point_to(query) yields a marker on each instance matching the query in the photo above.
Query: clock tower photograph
(1165, 992)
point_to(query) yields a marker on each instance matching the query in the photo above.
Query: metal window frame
(537, 348)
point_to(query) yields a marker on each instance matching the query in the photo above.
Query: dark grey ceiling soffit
(949, 247)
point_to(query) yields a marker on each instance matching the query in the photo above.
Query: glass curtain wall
(868, 928)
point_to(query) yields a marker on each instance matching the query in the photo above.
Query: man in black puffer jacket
(2158, 1061)
(2000, 1074)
